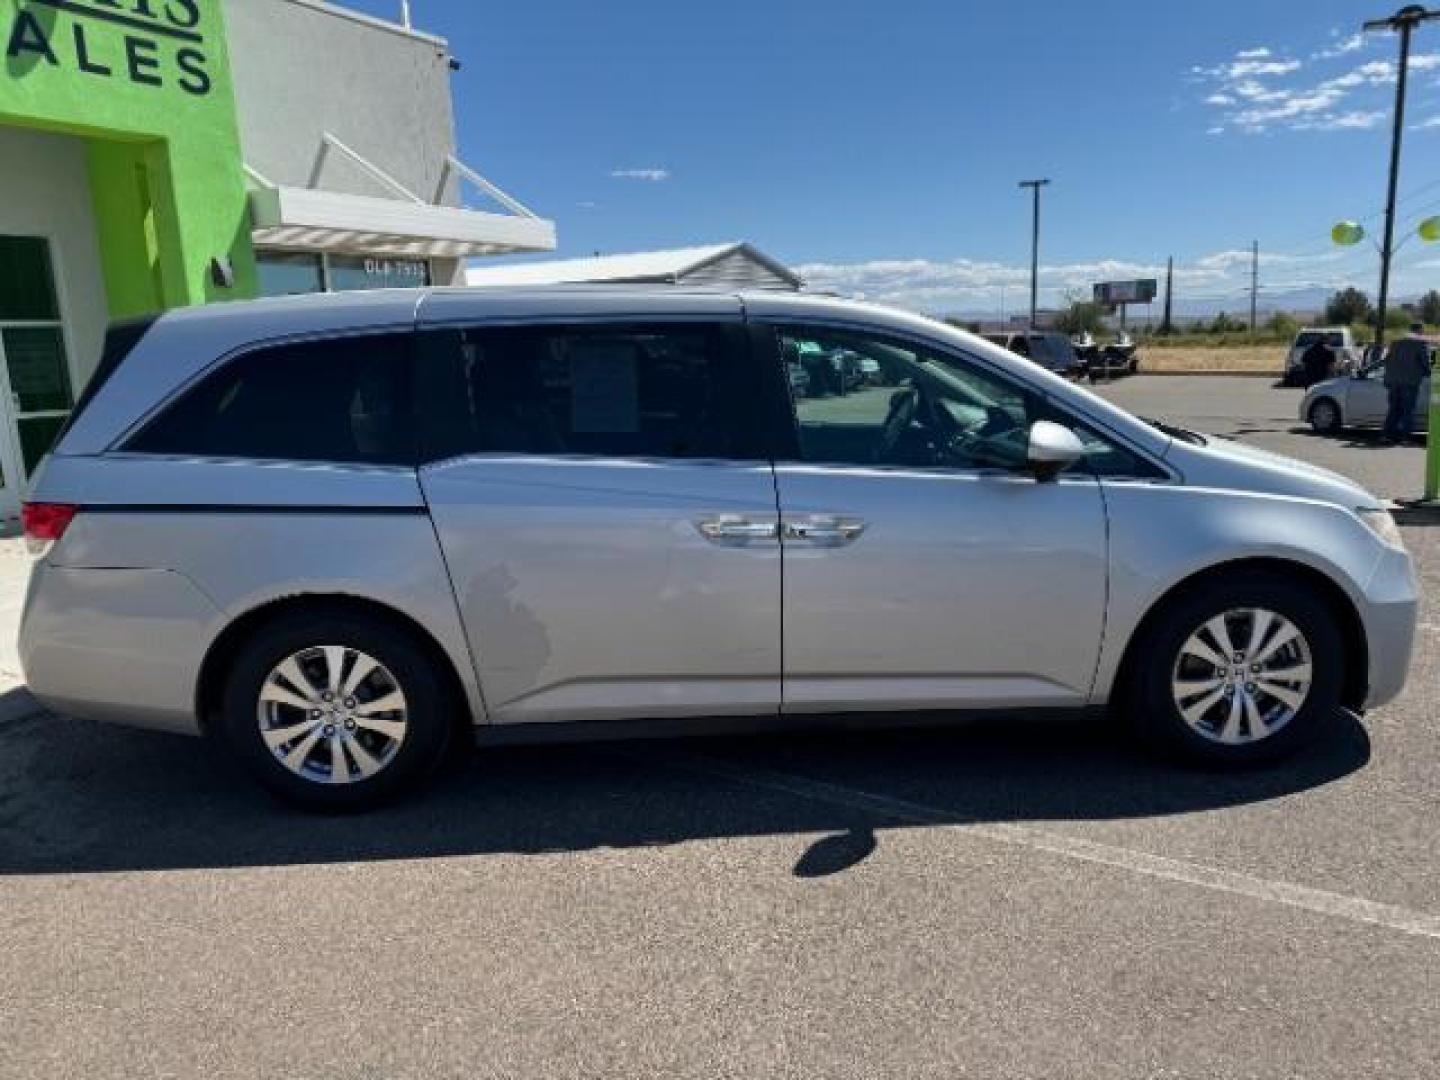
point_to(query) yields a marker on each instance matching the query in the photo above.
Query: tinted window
(673, 391)
(923, 409)
(342, 400)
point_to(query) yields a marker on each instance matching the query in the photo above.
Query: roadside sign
(1114, 293)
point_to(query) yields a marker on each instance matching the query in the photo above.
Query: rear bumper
(119, 646)
(1389, 612)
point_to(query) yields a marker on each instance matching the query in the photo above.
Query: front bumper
(1389, 611)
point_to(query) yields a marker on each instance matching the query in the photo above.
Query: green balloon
(1348, 233)
(1430, 229)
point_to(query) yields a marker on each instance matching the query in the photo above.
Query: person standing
(1317, 362)
(1406, 366)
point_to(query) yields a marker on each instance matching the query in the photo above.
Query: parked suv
(341, 532)
(1052, 351)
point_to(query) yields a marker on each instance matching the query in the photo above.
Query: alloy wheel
(332, 714)
(1242, 676)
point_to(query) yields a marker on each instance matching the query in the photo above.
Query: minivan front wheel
(1241, 672)
(335, 711)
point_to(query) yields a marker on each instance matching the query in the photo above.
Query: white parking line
(1356, 909)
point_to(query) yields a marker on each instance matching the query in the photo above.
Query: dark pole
(1388, 250)
(1035, 186)
(1166, 326)
(1404, 22)
(1254, 283)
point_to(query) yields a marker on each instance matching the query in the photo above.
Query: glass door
(35, 392)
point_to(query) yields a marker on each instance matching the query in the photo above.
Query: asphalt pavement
(1002, 898)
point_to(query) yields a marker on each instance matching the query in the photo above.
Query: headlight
(1382, 524)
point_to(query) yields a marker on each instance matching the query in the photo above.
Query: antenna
(405, 14)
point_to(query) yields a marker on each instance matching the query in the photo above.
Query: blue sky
(877, 145)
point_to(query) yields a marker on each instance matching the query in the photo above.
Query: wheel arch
(1352, 628)
(210, 683)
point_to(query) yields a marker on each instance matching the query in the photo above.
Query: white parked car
(1357, 400)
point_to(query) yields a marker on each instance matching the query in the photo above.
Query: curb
(1416, 513)
(1226, 374)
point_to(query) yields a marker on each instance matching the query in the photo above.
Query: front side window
(927, 409)
(343, 400)
(663, 391)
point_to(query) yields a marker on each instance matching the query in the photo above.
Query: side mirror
(1053, 449)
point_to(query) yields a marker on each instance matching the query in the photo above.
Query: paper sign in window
(604, 388)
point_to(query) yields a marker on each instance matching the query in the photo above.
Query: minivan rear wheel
(1243, 671)
(335, 711)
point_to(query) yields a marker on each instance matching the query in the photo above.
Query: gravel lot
(999, 899)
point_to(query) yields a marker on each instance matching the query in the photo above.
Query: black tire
(429, 712)
(1324, 416)
(1149, 699)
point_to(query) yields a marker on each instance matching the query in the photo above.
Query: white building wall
(303, 68)
(46, 192)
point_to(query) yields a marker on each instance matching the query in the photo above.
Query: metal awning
(313, 219)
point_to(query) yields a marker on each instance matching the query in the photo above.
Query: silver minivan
(342, 532)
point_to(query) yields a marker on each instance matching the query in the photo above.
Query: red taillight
(45, 523)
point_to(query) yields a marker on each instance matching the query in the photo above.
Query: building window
(36, 371)
(288, 273)
(294, 273)
(353, 272)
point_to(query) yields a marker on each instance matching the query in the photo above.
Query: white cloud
(957, 285)
(1342, 46)
(1353, 119)
(1256, 94)
(653, 175)
(1426, 125)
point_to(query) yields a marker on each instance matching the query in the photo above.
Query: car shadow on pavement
(77, 797)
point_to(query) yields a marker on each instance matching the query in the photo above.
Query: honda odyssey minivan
(341, 532)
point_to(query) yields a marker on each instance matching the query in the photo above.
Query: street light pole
(1404, 23)
(1034, 186)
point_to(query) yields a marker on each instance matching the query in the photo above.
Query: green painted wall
(147, 84)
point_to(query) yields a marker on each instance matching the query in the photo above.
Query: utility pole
(1034, 186)
(1254, 284)
(1404, 23)
(1166, 326)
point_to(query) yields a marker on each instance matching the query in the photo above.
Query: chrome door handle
(825, 531)
(735, 529)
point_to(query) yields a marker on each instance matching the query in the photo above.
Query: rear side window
(344, 400)
(666, 391)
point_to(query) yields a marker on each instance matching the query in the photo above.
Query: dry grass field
(1203, 360)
